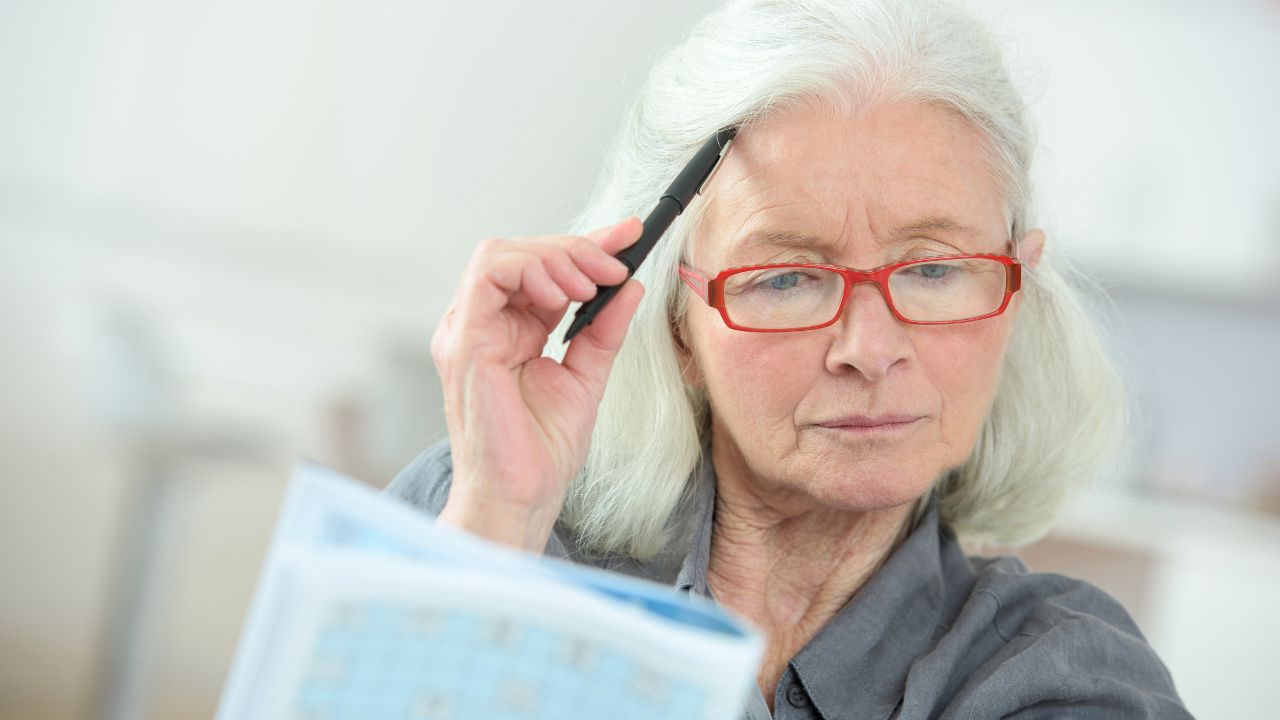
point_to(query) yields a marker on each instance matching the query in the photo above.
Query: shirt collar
(857, 664)
(693, 572)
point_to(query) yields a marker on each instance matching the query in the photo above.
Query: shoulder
(1028, 604)
(1042, 645)
(424, 482)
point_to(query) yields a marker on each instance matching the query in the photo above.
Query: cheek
(754, 379)
(963, 362)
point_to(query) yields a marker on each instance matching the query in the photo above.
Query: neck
(788, 564)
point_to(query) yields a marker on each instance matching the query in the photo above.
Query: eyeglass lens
(796, 297)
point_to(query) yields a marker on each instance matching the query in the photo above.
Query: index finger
(616, 238)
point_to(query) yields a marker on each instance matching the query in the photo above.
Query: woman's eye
(784, 281)
(933, 272)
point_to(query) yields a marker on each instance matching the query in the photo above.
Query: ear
(1031, 246)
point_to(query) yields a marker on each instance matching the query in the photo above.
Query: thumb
(591, 353)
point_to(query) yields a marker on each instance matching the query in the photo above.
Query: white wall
(1159, 163)
(226, 230)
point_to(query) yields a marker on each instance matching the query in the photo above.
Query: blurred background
(228, 229)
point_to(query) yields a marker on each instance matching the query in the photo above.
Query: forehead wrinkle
(884, 234)
(732, 199)
(786, 238)
(768, 235)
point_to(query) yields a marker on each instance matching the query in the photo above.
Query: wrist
(504, 523)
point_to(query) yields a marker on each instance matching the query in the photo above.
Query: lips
(869, 421)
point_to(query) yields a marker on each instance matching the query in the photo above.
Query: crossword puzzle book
(367, 609)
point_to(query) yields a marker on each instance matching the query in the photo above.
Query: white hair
(1058, 411)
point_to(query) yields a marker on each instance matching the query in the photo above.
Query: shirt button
(796, 696)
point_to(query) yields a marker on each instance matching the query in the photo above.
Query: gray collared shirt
(932, 634)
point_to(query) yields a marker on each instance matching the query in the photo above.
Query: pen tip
(574, 327)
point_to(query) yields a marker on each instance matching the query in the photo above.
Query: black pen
(687, 184)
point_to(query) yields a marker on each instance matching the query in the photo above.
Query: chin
(874, 488)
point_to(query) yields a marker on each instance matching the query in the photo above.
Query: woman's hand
(519, 423)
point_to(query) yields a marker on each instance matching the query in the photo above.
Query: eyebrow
(782, 239)
(788, 238)
(934, 223)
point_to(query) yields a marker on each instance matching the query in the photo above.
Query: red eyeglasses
(787, 297)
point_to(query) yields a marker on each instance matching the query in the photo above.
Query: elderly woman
(776, 426)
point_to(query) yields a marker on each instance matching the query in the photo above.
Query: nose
(868, 337)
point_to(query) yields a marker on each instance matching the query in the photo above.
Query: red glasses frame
(712, 290)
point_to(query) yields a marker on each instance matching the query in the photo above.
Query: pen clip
(723, 150)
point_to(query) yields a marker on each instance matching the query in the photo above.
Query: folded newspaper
(365, 608)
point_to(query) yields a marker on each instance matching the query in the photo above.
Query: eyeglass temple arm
(695, 281)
